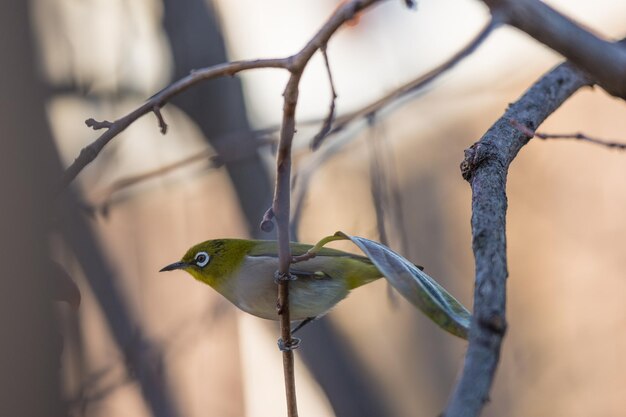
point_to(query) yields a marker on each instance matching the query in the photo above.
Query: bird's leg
(302, 324)
(279, 276)
(293, 344)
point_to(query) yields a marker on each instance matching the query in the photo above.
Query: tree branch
(604, 61)
(485, 167)
(153, 104)
(328, 121)
(282, 192)
(419, 82)
(576, 136)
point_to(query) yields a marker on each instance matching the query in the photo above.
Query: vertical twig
(282, 192)
(328, 121)
(280, 208)
(377, 182)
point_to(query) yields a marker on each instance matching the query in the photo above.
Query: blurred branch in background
(416, 85)
(237, 147)
(217, 108)
(385, 189)
(334, 364)
(30, 352)
(603, 60)
(142, 357)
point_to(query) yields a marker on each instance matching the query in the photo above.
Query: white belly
(254, 291)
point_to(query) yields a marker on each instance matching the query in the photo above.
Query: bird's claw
(282, 276)
(290, 345)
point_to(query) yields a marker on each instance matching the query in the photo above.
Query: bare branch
(604, 61)
(578, 136)
(328, 121)
(105, 196)
(371, 109)
(485, 167)
(420, 82)
(91, 151)
(293, 63)
(282, 192)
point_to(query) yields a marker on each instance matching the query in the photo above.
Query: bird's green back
(357, 270)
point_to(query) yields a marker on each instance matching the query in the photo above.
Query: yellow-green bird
(243, 271)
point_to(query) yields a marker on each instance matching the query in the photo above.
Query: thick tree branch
(604, 61)
(485, 167)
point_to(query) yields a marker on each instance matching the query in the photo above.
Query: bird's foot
(281, 276)
(290, 345)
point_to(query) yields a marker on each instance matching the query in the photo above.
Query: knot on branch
(475, 156)
(494, 322)
(96, 125)
(267, 225)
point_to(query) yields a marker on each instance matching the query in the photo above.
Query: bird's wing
(270, 248)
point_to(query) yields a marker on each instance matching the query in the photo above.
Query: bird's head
(213, 261)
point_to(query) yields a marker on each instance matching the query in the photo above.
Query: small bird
(243, 271)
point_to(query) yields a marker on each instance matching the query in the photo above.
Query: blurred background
(143, 343)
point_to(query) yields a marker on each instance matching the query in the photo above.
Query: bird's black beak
(174, 266)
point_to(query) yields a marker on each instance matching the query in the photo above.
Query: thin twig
(420, 82)
(377, 183)
(91, 151)
(577, 136)
(385, 193)
(328, 121)
(342, 122)
(282, 192)
(105, 196)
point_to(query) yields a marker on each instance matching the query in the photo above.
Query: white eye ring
(202, 258)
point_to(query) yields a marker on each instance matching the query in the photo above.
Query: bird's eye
(201, 258)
